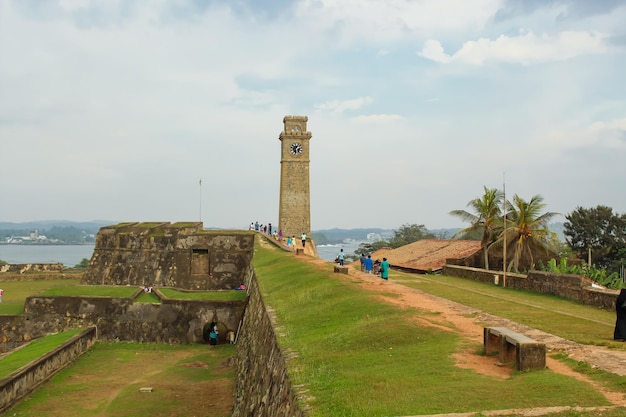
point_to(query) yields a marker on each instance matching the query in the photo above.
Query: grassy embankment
(358, 356)
(34, 350)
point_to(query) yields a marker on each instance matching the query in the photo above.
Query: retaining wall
(24, 268)
(572, 287)
(22, 382)
(120, 319)
(263, 387)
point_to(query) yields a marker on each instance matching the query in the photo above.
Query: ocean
(330, 252)
(68, 255)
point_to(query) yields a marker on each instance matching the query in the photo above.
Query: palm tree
(486, 219)
(526, 233)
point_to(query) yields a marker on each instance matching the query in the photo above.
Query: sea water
(68, 255)
(330, 252)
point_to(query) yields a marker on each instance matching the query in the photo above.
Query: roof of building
(428, 254)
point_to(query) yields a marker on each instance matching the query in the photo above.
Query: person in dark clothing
(620, 322)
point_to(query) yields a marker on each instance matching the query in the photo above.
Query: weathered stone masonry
(21, 383)
(263, 387)
(179, 255)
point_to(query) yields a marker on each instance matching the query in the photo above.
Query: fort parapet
(179, 255)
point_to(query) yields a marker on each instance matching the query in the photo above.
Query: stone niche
(179, 255)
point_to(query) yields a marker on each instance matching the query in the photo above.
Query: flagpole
(200, 183)
(503, 231)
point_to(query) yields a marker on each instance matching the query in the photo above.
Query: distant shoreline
(47, 244)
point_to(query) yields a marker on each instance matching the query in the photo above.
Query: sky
(127, 110)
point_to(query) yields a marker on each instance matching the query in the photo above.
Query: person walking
(213, 333)
(303, 239)
(1, 293)
(384, 269)
(369, 264)
(362, 259)
(341, 257)
(620, 323)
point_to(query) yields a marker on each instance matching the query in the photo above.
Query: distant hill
(334, 236)
(51, 232)
(43, 225)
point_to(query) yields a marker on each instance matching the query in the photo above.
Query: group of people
(368, 265)
(265, 228)
(278, 234)
(291, 241)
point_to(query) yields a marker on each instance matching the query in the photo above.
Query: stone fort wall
(572, 287)
(180, 255)
(263, 387)
(26, 379)
(120, 319)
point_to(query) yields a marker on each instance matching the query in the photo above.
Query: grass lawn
(34, 350)
(187, 380)
(204, 295)
(360, 357)
(15, 292)
(565, 318)
(90, 291)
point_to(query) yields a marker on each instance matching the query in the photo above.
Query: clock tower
(294, 212)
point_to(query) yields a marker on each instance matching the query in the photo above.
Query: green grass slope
(359, 357)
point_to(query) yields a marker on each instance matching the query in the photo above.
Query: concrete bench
(341, 269)
(512, 346)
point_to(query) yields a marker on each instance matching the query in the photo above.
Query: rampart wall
(24, 268)
(180, 255)
(572, 287)
(22, 382)
(263, 387)
(120, 319)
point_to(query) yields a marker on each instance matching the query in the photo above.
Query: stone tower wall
(180, 255)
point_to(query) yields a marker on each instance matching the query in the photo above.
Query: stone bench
(341, 269)
(512, 346)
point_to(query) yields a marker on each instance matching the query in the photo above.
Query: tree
(84, 263)
(409, 233)
(371, 247)
(600, 230)
(527, 234)
(485, 220)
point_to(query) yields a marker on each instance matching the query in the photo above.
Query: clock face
(295, 149)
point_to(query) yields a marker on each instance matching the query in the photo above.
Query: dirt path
(469, 322)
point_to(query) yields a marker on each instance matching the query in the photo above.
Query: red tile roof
(428, 254)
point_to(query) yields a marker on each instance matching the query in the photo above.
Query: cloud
(525, 49)
(384, 20)
(377, 118)
(339, 106)
(611, 134)
(566, 9)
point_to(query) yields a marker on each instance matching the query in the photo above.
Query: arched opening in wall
(213, 333)
(206, 332)
(199, 262)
